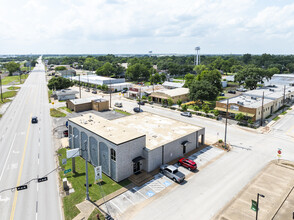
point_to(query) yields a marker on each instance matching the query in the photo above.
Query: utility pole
(1, 88)
(80, 84)
(226, 123)
(261, 120)
(87, 179)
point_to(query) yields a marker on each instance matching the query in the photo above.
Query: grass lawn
(78, 180)
(276, 118)
(9, 94)
(0, 115)
(57, 114)
(10, 79)
(13, 88)
(94, 213)
(283, 113)
(122, 112)
(66, 109)
(175, 81)
(4, 100)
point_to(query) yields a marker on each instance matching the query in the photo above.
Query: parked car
(137, 109)
(187, 114)
(124, 90)
(118, 104)
(232, 91)
(87, 90)
(34, 120)
(94, 92)
(141, 103)
(241, 90)
(189, 164)
(172, 172)
(65, 133)
(222, 94)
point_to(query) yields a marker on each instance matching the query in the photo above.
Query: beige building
(174, 94)
(250, 103)
(79, 105)
(131, 144)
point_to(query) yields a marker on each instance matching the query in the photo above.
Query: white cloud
(122, 26)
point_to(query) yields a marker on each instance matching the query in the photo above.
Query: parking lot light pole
(258, 203)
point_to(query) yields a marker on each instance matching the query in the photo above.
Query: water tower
(197, 57)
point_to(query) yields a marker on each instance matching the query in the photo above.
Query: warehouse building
(128, 145)
(92, 103)
(174, 94)
(65, 94)
(251, 104)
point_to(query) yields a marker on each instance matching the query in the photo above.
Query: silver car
(172, 172)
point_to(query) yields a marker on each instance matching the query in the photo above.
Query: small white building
(65, 94)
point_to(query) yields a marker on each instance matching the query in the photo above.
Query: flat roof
(253, 98)
(85, 100)
(107, 129)
(158, 130)
(173, 84)
(66, 92)
(173, 92)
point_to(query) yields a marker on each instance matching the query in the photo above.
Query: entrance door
(184, 149)
(137, 167)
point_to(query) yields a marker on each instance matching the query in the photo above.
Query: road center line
(20, 170)
(7, 157)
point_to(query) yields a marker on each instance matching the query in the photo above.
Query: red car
(65, 133)
(189, 164)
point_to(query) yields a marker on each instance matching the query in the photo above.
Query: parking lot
(117, 206)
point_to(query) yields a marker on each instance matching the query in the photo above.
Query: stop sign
(279, 152)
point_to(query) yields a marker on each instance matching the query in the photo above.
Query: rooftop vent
(254, 98)
(240, 103)
(272, 90)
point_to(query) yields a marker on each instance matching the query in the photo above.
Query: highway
(27, 153)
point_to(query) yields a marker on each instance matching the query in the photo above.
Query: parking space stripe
(116, 206)
(140, 193)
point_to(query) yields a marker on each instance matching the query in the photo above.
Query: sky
(139, 26)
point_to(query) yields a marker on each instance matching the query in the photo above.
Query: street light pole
(258, 203)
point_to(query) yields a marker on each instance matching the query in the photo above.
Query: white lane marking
(38, 160)
(37, 187)
(140, 193)
(36, 215)
(15, 152)
(129, 200)
(116, 207)
(4, 167)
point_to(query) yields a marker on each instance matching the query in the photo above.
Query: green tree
(200, 68)
(179, 102)
(189, 78)
(212, 76)
(12, 67)
(216, 112)
(59, 83)
(170, 102)
(239, 117)
(203, 90)
(184, 107)
(136, 71)
(105, 70)
(163, 77)
(196, 108)
(206, 108)
(60, 68)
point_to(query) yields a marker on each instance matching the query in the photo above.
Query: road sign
(279, 155)
(42, 179)
(98, 173)
(73, 153)
(254, 205)
(52, 103)
(21, 187)
(64, 161)
(279, 152)
(67, 171)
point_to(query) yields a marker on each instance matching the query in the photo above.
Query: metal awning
(185, 143)
(234, 111)
(136, 159)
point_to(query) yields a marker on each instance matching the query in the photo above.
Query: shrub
(220, 141)
(184, 107)
(196, 108)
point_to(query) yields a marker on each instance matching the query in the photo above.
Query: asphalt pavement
(27, 153)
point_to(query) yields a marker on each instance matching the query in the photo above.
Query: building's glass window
(113, 154)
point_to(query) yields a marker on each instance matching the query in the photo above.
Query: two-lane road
(27, 153)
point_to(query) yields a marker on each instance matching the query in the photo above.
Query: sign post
(279, 154)
(98, 173)
(254, 205)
